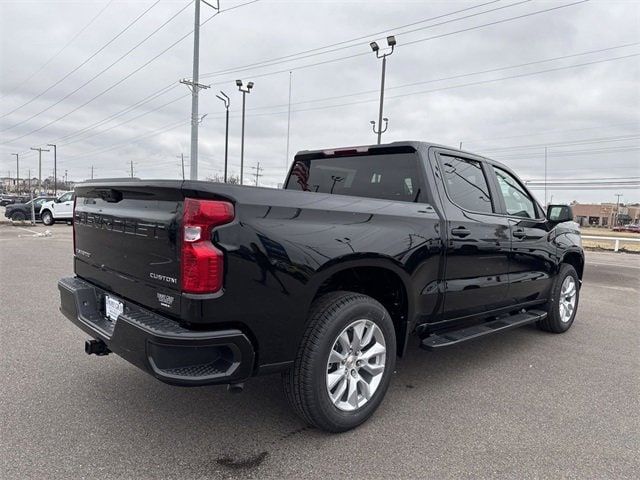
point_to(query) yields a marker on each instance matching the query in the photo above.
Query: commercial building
(605, 214)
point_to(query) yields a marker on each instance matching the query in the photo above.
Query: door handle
(519, 233)
(460, 232)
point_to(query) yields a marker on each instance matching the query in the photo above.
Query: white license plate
(113, 308)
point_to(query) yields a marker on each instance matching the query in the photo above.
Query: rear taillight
(202, 264)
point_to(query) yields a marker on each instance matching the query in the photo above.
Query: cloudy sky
(506, 78)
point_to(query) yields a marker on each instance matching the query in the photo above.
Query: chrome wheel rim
(356, 365)
(567, 302)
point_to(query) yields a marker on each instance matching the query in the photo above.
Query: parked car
(634, 228)
(326, 281)
(60, 208)
(22, 211)
(11, 199)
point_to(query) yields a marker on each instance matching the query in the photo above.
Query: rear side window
(387, 177)
(466, 184)
(516, 198)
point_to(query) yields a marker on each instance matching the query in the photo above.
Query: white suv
(59, 209)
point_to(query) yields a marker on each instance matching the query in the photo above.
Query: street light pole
(227, 103)
(55, 168)
(244, 96)
(391, 41)
(40, 150)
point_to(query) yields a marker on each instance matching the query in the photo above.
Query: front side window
(66, 197)
(517, 201)
(385, 176)
(466, 184)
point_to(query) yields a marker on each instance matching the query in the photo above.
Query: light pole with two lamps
(227, 103)
(244, 91)
(391, 41)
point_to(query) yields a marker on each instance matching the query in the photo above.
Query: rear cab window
(392, 176)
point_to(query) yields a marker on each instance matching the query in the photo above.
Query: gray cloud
(597, 101)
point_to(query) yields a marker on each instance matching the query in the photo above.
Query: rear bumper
(156, 344)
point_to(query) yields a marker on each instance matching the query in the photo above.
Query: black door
(532, 251)
(478, 244)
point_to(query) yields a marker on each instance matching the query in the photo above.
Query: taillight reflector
(202, 264)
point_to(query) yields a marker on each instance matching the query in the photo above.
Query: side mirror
(559, 213)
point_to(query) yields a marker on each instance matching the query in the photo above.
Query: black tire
(18, 216)
(305, 384)
(554, 322)
(47, 218)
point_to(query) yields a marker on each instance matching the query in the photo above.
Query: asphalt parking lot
(521, 404)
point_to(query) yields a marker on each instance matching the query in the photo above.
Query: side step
(454, 337)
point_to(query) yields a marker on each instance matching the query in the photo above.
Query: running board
(454, 337)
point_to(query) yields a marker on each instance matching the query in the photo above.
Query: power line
(356, 39)
(55, 55)
(421, 92)
(130, 74)
(107, 68)
(129, 141)
(537, 12)
(165, 90)
(128, 121)
(131, 24)
(453, 77)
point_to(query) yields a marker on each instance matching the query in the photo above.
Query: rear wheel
(18, 216)
(344, 363)
(563, 305)
(47, 217)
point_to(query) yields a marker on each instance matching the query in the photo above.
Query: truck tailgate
(126, 240)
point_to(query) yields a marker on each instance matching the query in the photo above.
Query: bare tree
(233, 178)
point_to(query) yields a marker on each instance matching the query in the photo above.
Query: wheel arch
(574, 258)
(379, 277)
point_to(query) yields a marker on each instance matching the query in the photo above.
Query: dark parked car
(326, 281)
(22, 211)
(11, 199)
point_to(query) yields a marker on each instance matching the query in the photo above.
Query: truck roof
(403, 145)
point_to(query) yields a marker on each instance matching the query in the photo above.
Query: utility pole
(181, 157)
(227, 103)
(55, 168)
(195, 87)
(286, 160)
(39, 150)
(244, 96)
(131, 168)
(66, 182)
(258, 169)
(618, 195)
(545, 177)
(17, 170)
(91, 172)
(391, 41)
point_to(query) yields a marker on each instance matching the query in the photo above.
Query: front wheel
(344, 363)
(563, 304)
(18, 217)
(47, 218)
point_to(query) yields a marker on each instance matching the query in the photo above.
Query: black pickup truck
(326, 281)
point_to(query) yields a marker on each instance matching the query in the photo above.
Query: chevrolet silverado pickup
(326, 281)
